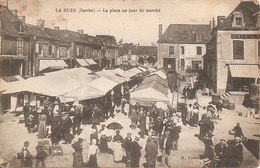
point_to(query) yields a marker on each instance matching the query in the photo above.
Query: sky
(136, 27)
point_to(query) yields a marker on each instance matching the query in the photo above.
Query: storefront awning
(12, 57)
(82, 62)
(52, 64)
(90, 61)
(244, 71)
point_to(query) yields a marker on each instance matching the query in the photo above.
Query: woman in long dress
(42, 126)
(117, 151)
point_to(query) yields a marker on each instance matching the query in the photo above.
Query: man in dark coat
(55, 129)
(41, 156)
(76, 122)
(26, 112)
(67, 124)
(237, 152)
(142, 121)
(220, 151)
(175, 136)
(118, 137)
(127, 144)
(77, 155)
(151, 151)
(238, 131)
(136, 153)
(165, 146)
(184, 114)
(26, 160)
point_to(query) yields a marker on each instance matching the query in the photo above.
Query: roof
(73, 36)
(7, 28)
(56, 35)
(185, 33)
(137, 50)
(36, 31)
(249, 10)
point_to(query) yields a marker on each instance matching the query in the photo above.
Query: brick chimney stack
(40, 23)
(57, 28)
(14, 12)
(22, 18)
(80, 31)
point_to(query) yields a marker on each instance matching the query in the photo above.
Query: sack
(56, 151)
(19, 155)
(45, 145)
(124, 159)
(159, 159)
(231, 132)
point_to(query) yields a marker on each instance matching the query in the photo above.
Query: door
(169, 63)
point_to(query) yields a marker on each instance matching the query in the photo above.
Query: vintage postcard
(129, 83)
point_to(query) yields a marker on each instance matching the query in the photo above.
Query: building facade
(232, 59)
(182, 46)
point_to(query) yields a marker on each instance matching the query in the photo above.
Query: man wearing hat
(127, 144)
(66, 126)
(55, 129)
(237, 152)
(26, 112)
(238, 131)
(165, 146)
(136, 152)
(77, 155)
(151, 151)
(220, 151)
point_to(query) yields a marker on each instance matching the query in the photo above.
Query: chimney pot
(80, 31)
(14, 12)
(40, 23)
(22, 18)
(57, 28)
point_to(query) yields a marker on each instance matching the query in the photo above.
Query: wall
(190, 53)
(163, 52)
(225, 54)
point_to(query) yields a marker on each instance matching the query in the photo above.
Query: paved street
(190, 147)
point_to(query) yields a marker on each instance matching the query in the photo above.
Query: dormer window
(238, 20)
(198, 37)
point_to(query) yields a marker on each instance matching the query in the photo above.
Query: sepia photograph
(129, 83)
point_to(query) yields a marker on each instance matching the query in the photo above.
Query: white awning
(244, 71)
(82, 62)
(52, 64)
(90, 61)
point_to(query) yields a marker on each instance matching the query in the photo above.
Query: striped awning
(82, 62)
(90, 61)
(244, 71)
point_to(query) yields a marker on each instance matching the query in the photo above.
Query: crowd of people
(160, 126)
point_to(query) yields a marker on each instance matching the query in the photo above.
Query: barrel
(225, 103)
(231, 105)
(215, 98)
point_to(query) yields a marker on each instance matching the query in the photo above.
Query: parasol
(114, 126)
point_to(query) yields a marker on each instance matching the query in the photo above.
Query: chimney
(213, 23)
(40, 23)
(14, 12)
(56, 28)
(22, 18)
(80, 31)
(160, 31)
(220, 19)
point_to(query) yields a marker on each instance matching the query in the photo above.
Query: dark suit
(55, 130)
(136, 154)
(220, 151)
(165, 146)
(76, 123)
(127, 144)
(151, 154)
